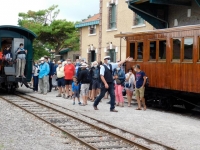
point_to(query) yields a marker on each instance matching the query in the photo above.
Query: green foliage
(51, 33)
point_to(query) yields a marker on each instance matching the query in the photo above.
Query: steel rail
(66, 132)
(126, 140)
(105, 123)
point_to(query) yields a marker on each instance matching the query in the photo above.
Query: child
(75, 90)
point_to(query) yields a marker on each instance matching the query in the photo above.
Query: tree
(56, 34)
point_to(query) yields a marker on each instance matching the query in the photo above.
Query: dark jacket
(108, 75)
(54, 68)
(84, 76)
(92, 75)
(51, 66)
(120, 74)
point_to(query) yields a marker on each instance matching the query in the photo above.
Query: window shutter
(109, 17)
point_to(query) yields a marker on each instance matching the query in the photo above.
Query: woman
(60, 80)
(35, 77)
(119, 77)
(129, 85)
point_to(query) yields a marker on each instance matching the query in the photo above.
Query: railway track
(92, 133)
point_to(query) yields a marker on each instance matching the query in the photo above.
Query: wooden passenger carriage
(170, 57)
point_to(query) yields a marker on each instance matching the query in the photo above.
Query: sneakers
(59, 95)
(74, 103)
(79, 103)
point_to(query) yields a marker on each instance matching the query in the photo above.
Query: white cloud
(72, 10)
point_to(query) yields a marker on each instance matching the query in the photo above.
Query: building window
(132, 50)
(162, 50)
(152, 50)
(176, 49)
(137, 20)
(92, 29)
(112, 55)
(188, 48)
(140, 51)
(112, 16)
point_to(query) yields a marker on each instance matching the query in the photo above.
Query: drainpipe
(120, 46)
(148, 14)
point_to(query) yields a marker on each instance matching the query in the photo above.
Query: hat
(84, 65)
(106, 57)
(46, 57)
(64, 63)
(42, 58)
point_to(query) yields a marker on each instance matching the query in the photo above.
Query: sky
(71, 10)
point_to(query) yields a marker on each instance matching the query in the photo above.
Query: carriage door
(15, 46)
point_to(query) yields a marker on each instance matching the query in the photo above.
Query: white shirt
(102, 68)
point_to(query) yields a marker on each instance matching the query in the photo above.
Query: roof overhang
(64, 51)
(85, 24)
(158, 31)
(19, 29)
(165, 2)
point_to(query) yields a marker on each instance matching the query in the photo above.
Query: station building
(97, 33)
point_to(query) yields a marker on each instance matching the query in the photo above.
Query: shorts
(68, 82)
(90, 87)
(95, 84)
(60, 82)
(85, 89)
(76, 94)
(139, 92)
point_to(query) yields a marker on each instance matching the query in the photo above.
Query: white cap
(42, 58)
(64, 63)
(84, 65)
(106, 57)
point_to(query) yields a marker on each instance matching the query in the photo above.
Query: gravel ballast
(175, 130)
(22, 131)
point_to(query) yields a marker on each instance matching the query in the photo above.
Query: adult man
(51, 72)
(107, 82)
(43, 76)
(140, 86)
(21, 60)
(95, 75)
(69, 70)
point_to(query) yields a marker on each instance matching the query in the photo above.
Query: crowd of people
(81, 81)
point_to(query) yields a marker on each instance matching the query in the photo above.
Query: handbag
(128, 85)
(124, 92)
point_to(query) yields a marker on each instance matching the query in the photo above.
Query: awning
(64, 51)
(85, 24)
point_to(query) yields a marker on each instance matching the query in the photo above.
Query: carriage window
(176, 48)
(132, 50)
(153, 50)
(140, 51)
(188, 48)
(162, 49)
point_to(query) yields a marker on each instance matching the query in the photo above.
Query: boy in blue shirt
(75, 90)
